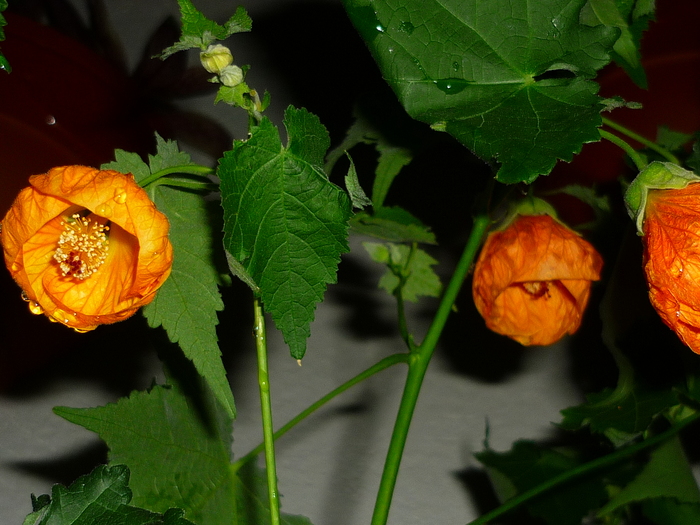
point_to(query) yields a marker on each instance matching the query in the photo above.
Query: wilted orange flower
(672, 259)
(532, 280)
(87, 247)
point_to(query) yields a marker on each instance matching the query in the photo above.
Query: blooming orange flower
(87, 247)
(672, 259)
(532, 280)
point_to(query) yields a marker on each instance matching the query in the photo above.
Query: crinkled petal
(534, 249)
(138, 259)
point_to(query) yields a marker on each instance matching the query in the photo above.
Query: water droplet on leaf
(406, 27)
(451, 86)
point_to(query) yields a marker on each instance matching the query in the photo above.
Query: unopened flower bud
(231, 76)
(216, 58)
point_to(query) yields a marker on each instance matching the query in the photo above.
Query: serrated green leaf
(409, 267)
(631, 18)
(186, 305)
(352, 183)
(626, 412)
(198, 31)
(176, 446)
(99, 497)
(127, 162)
(4, 64)
(285, 223)
(392, 224)
(176, 439)
(527, 465)
(667, 474)
(392, 158)
(510, 79)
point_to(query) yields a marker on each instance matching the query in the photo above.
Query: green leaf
(187, 303)
(99, 497)
(631, 18)
(510, 79)
(668, 511)
(666, 475)
(176, 439)
(392, 158)
(352, 183)
(527, 465)
(176, 446)
(392, 224)
(672, 140)
(198, 31)
(127, 162)
(285, 223)
(619, 413)
(4, 64)
(408, 267)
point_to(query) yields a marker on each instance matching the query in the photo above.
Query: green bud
(216, 58)
(656, 176)
(231, 76)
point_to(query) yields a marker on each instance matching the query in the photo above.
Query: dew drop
(81, 330)
(104, 210)
(24, 296)
(451, 86)
(406, 27)
(119, 196)
(678, 313)
(35, 308)
(455, 66)
(50, 120)
(15, 267)
(61, 316)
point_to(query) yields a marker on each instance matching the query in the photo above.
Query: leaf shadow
(66, 468)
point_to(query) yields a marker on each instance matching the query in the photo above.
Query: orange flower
(672, 259)
(87, 247)
(533, 278)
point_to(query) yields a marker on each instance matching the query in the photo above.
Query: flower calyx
(656, 176)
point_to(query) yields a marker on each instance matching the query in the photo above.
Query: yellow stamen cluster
(82, 247)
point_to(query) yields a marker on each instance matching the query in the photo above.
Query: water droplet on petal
(81, 330)
(35, 308)
(60, 316)
(104, 210)
(678, 313)
(15, 267)
(24, 296)
(119, 196)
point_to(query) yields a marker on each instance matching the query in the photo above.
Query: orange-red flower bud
(672, 259)
(87, 247)
(532, 280)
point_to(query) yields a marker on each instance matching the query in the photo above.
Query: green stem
(188, 169)
(587, 468)
(188, 185)
(266, 407)
(417, 367)
(377, 367)
(642, 140)
(636, 157)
